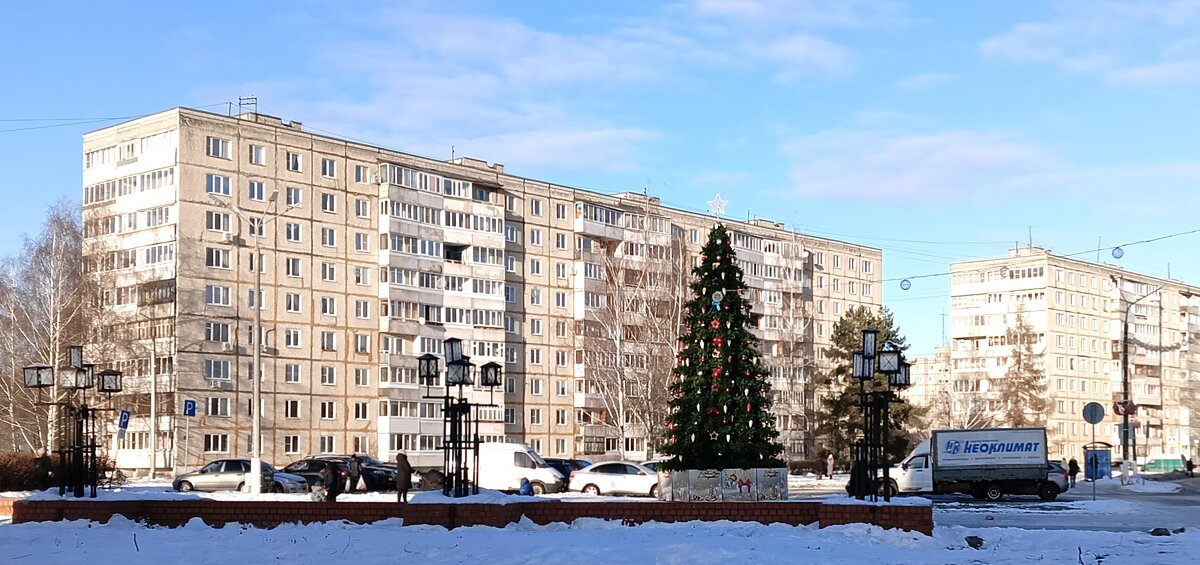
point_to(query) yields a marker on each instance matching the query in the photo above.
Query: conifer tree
(720, 407)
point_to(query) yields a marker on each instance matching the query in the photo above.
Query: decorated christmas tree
(720, 403)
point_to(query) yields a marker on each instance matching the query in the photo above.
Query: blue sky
(936, 131)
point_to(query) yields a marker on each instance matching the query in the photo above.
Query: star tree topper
(716, 206)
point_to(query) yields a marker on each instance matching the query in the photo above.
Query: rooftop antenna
(247, 102)
(1031, 237)
(451, 152)
(1099, 240)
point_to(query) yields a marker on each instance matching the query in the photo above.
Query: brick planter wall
(269, 514)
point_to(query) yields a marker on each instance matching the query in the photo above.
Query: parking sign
(189, 407)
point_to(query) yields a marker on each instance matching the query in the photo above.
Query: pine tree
(720, 404)
(1023, 388)
(839, 419)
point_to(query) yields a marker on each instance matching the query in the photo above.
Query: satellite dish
(421, 320)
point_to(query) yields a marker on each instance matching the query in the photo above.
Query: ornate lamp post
(871, 453)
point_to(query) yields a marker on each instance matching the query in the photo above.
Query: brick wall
(268, 514)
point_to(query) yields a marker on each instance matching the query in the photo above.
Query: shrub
(18, 471)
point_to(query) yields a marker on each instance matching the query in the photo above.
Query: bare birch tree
(1022, 392)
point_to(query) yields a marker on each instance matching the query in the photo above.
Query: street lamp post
(254, 477)
(1126, 404)
(871, 453)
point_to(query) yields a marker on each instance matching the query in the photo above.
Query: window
(560, 417)
(510, 264)
(535, 267)
(258, 155)
(295, 197)
(362, 377)
(257, 227)
(328, 306)
(216, 443)
(328, 410)
(560, 241)
(216, 184)
(535, 326)
(535, 416)
(560, 387)
(218, 147)
(328, 272)
(328, 237)
(510, 416)
(361, 242)
(327, 342)
(560, 300)
(535, 356)
(328, 202)
(535, 237)
(292, 232)
(560, 211)
(216, 331)
(216, 295)
(216, 221)
(360, 410)
(294, 163)
(328, 375)
(362, 275)
(362, 343)
(291, 444)
(216, 407)
(535, 296)
(327, 444)
(215, 369)
(362, 208)
(291, 266)
(535, 386)
(291, 409)
(328, 168)
(362, 309)
(535, 207)
(291, 373)
(361, 174)
(291, 338)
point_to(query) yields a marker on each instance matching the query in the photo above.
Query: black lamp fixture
(428, 367)
(458, 372)
(870, 337)
(85, 376)
(110, 381)
(452, 347)
(39, 376)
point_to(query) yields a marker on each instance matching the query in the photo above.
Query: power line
(75, 121)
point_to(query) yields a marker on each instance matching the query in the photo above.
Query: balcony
(588, 400)
(598, 230)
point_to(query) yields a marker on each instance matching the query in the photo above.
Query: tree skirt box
(723, 485)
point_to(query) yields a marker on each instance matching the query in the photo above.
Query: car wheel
(653, 491)
(591, 489)
(276, 488)
(1048, 491)
(538, 488)
(993, 492)
(242, 487)
(185, 487)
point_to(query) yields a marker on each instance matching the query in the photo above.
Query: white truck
(985, 463)
(503, 465)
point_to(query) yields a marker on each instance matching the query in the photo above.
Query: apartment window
(560, 211)
(361, 243)
(560, 300)
(362, 343)
(535, 326)
(362, 309)
(216, 331)
(362, 275)
(510, 416)
(216, 443)
(216, 221)
(291, 409)
(216, 407)
(294, 162)
(510, 295)
(291, 338)
(535, 207)
(291, 266)
(560, 358)
(535, 358)
(328, 272)
(327, 444)
(216, 295)
(560, 328)
(328, 375)
(535, 296)
(295, 197)
(510, 264)
(510, 234)
(257, 190)
(361, 174)
(560, 387)
(328, 202)
(560, 241)
(216, 184)
(360, 410)
(258, 155)
(218, 147)
(535, 416)
(328, 306)
(535, 237)
(215, 369)
(328, 237)
(291, 373)
(535, 267)
(291, 444)
(560, 417)
(362, 208)
(257, 227)
(328, 168)
(328, 410)
(327, 342)
(866, 266)
(362, 377)
(292, 232)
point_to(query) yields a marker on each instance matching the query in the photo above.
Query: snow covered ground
(121, 541)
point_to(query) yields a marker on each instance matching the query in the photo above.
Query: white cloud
(1161, 73)
(855, 165)
(805, 55)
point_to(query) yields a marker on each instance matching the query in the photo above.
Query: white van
(503, 465)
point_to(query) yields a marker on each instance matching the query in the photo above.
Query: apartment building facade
(1076, 309)
(368, 258)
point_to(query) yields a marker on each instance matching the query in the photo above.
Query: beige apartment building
(1076, 309)
(368, 258)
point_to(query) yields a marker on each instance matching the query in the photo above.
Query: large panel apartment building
(370, 257)
(1076, 309)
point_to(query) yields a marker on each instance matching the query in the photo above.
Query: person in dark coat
(355, 472)
(1073, 469)
(44, 470)
(332, 481)
(1191, 468)
(404, 473)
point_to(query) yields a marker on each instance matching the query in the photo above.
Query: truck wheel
(993, 492)
(538, 488)
(888, 489)
(1048, 491)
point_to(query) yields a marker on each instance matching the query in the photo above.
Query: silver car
(230, 474)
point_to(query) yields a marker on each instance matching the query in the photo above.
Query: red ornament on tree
(716, 372)
(715, 324)
(715, 388)
(718, 342)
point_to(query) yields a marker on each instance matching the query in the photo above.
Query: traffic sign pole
(1093, 413)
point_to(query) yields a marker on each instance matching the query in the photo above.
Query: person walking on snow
(829, 465)
(355, 472)
(404, 473)
(1190, 467)
(1073, 469)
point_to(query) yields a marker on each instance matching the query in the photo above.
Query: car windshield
(538, 459)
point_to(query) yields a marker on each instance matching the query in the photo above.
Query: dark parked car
(377, 475)
(565, 466)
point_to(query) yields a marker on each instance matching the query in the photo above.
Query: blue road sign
(124, 419)
(189, 407)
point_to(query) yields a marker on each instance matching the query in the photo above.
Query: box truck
(985, 463)
(503, 465)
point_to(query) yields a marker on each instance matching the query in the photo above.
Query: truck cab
(915, 472)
